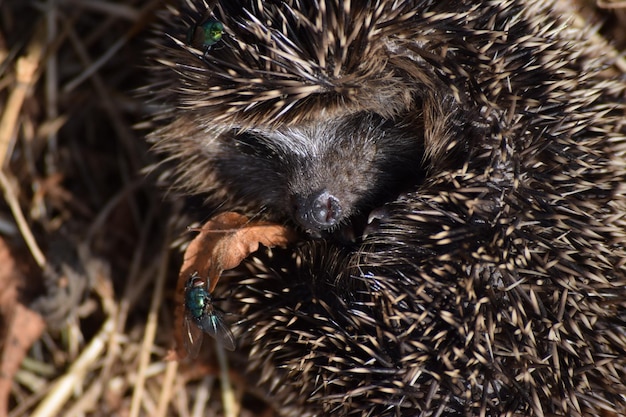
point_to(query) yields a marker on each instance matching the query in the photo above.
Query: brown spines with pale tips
(494, 281)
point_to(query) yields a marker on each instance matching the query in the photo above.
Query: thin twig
(26, 76)
(93, 67)
(203, 395)
(63, 388)
(611, 4)
(22, 224)
(228, 396)
(150, 331)
(52, 86)
(166, 389)
(123, 11)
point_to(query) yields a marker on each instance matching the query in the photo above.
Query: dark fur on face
(347, 163)
(353, 162)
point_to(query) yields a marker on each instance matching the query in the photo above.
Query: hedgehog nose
(320, 211)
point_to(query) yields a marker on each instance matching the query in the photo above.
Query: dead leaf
(21, 326)
(222, 244)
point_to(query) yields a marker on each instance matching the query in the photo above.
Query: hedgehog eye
(252, 144)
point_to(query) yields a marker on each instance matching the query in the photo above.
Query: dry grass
(82, 225)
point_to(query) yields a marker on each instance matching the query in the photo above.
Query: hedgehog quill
(484, 141)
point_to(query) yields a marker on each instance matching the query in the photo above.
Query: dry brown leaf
(21, 326)
(222, 244)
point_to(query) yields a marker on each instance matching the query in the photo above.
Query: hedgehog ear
(448, 136)
(438, 138)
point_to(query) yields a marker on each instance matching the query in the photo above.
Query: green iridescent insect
(201, 317)
(205, 34)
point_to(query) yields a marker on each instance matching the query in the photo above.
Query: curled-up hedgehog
(485, 144)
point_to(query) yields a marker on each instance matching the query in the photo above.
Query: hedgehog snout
(318, 211)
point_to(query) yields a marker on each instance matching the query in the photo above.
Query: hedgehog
(477, 152)
(320, 174)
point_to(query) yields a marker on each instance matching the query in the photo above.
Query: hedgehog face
(321, 173)
(273, 116)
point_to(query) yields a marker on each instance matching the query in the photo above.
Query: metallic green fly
(201, 317)
(205, 34)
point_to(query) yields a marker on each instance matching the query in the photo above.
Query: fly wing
(193, 337)
(214, 325)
